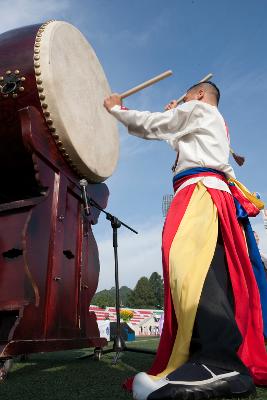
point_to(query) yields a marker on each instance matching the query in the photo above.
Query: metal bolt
(85, 286)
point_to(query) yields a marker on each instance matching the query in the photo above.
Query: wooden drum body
(49, 259)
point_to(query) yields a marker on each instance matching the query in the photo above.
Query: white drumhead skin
(72, 87)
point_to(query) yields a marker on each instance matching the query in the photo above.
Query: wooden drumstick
(145, 84)
(205, 79)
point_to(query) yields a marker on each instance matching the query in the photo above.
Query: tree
(156, 283)
(104, 299)
(142, 295)
(125, 292)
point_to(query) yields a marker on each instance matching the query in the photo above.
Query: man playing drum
(212, 344)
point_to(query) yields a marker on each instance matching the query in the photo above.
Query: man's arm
(158, 125)
(172, 104)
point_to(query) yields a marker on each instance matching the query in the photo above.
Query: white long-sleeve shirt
(196, 130)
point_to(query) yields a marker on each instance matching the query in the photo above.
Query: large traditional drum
(53, 131)
(72, 86)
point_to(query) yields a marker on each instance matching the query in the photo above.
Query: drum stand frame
(119, 345)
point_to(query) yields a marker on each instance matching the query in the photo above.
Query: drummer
(210, 290)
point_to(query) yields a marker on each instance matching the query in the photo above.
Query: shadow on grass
(63, 375)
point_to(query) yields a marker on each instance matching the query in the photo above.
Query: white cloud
(25, 12)
(138, 255)
(253, 81)
(131, 147)
(134, 39)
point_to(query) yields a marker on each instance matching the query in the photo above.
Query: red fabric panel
(249, 207)
(247, 300)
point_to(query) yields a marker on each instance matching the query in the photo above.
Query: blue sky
(135, 40)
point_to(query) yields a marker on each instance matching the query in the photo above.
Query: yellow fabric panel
(190, 257)
(250, 196)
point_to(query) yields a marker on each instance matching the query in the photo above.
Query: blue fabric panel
(194, 171)
(258, 269)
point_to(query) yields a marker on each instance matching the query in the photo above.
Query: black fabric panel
(189, 372)
(216, 337)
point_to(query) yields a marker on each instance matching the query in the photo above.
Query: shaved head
(209, 88)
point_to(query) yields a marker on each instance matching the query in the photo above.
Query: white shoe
(143, 385)
(231, 384)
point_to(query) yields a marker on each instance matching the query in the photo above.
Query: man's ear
(200, 94)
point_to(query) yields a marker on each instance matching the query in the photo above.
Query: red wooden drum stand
(49, 259)
(49, 264)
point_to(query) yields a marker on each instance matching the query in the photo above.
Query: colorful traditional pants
(213, 312)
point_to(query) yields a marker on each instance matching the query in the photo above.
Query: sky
(136, 40)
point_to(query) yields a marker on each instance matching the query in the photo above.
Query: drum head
(72, 86)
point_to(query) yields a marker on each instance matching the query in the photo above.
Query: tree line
(148, 293)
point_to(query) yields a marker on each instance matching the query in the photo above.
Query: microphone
(83, 184)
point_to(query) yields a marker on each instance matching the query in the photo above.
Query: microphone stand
(118, 343)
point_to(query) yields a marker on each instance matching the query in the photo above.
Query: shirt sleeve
(158, 125)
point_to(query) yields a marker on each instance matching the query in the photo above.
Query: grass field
(62, 375)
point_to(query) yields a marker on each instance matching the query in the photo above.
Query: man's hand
(111, 101)
(172, 104)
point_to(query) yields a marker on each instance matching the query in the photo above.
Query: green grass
(62, 375)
